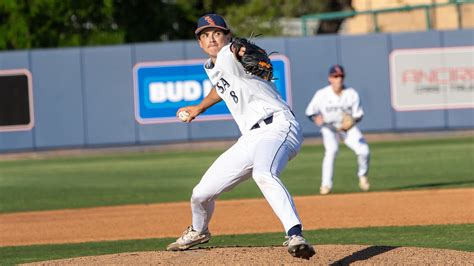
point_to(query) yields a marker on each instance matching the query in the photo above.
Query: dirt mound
(325, 254)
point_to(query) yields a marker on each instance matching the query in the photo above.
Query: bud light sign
(161, 88)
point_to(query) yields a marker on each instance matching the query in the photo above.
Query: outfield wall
(83, 97)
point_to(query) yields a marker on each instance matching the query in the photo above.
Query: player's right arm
(195, 110)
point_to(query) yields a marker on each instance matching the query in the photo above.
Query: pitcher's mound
(325, 254)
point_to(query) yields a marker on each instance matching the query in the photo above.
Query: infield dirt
(426, 207)
(447, 206)
(401, 208)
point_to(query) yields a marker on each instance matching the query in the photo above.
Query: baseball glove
(255, 60)
(347, 122)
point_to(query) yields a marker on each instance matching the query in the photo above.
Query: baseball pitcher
(241, 74)
(336, 109)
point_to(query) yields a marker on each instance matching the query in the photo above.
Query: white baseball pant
(353, 139)
(261, 153)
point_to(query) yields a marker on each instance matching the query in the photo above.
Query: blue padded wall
(107, 73)
(83, 97)
(458, 38)
(58, 98)
(369, 75)
(310, 58)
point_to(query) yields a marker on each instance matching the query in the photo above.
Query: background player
(270, 138)
(336, 109)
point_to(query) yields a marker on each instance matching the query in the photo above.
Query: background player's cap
(211, 21)
(336, 70)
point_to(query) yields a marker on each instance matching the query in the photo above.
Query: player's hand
(193, 111)
(238, 54)
(241, 51)
(318, 120)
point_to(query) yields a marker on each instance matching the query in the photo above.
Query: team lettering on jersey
(222, 85)
(330, 109)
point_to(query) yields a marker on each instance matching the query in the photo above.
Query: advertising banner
(161, 88)
(433, 78)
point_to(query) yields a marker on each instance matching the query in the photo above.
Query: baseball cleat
(364, 183)
(324, 190)
(299, 248)
(188, 239)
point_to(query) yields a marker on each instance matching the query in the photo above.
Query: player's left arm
(195, 110)
(357, 111)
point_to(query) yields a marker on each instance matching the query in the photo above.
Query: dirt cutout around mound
(401, 208)
(325, 255)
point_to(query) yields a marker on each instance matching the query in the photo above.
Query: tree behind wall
(53, 23)
(60, 23)
(263, 16)
(333, 26)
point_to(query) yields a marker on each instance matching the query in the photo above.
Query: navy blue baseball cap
(336, 70)
(211, 21)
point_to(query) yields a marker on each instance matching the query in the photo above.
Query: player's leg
(271, 154)
(273, 148)
(229, 169)
(331, 147)
(356, 142)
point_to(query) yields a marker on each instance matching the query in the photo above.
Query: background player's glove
(347, 122)
(255, 59)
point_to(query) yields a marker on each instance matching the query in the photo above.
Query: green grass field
(153, 177)
(134, 178)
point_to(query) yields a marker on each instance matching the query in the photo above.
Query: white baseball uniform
(270, 138)
(332, 107)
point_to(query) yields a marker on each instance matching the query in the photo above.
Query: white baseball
(183, 116)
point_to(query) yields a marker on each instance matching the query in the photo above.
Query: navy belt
(267, 121)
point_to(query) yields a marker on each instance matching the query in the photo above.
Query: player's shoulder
(224, 55)
(324, 90)
(350, 90)
(225, 49)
